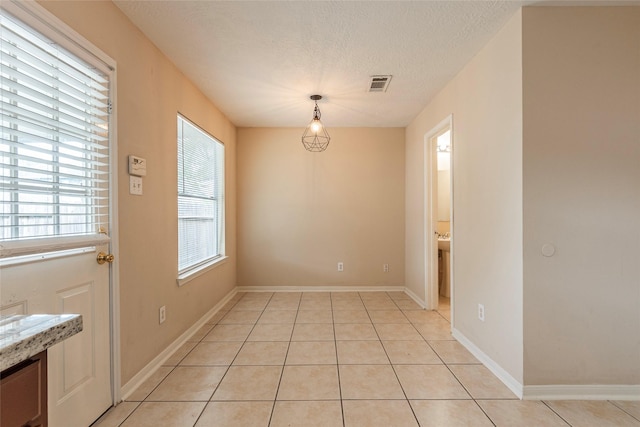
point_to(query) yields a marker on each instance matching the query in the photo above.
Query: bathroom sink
(444, 244)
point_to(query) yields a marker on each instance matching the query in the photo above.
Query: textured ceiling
(260, 61)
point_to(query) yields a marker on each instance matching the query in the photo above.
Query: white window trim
(194, 271)
(188, 276)
(12, 248)
(54, 28)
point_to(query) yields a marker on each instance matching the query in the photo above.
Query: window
(54, 143)
(200, 198)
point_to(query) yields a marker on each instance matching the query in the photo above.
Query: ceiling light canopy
(315, 137)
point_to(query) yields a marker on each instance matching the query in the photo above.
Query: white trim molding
(157, 362)
(415, 298)
(582, 392)
(514, 385)
(533, 392)
(321, 288)
(11, 248)
(188, 276)
(430, 214)
(551, 392)
(51, 26)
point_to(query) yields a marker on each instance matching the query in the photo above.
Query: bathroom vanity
(444, 256)
(24, 340)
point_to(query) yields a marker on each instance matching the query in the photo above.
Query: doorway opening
(439, 218)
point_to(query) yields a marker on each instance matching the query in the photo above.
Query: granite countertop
(23, 336)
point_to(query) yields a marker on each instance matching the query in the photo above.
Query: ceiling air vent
(379, 83)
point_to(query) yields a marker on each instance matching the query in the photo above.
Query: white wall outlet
(163, 314)
(385, 268)
(340, 266)
(481, 312)
(135, 185)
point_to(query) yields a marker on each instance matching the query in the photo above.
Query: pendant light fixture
(315, 137)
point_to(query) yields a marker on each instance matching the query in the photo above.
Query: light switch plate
(135, 185)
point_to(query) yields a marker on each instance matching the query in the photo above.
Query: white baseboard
(320, 288)
(551, 392)
(514, 385)
(582, 392)
(415, 297)
(532, 392)
(127, 389)
(151, 367)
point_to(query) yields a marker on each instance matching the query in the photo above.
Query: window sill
(185, 278)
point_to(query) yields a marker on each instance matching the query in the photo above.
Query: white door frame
(114, 277)
(431, 215)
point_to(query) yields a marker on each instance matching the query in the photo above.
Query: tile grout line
(230, 364)
(335, 346)
(233, 360)
(449, 369)
(555, 412)
(173, 368)
(624, 410)
(125, 418)
(284, 361)
(483, 411)
(394, 369)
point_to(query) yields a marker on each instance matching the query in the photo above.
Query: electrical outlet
(340, 266)
(385, 268)
(163, 314)
(481, 312)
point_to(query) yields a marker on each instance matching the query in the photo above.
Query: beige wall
(582, 195)
(485, 99)
(444, 196)
(362, 201)
(150, 92)
(300, 213)
(443, 227)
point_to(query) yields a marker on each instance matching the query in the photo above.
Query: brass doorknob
(102, 258)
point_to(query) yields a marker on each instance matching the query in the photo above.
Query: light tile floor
(338, 359)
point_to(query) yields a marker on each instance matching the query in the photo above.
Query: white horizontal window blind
(54, 146)
(200, 197)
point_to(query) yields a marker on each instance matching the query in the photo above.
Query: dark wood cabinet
(23, 393)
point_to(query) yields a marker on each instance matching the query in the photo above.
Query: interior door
(71, 281)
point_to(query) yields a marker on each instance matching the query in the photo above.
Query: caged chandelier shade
(315, 137)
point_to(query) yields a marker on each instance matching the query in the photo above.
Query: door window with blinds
(200, 198)
(54, 149)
